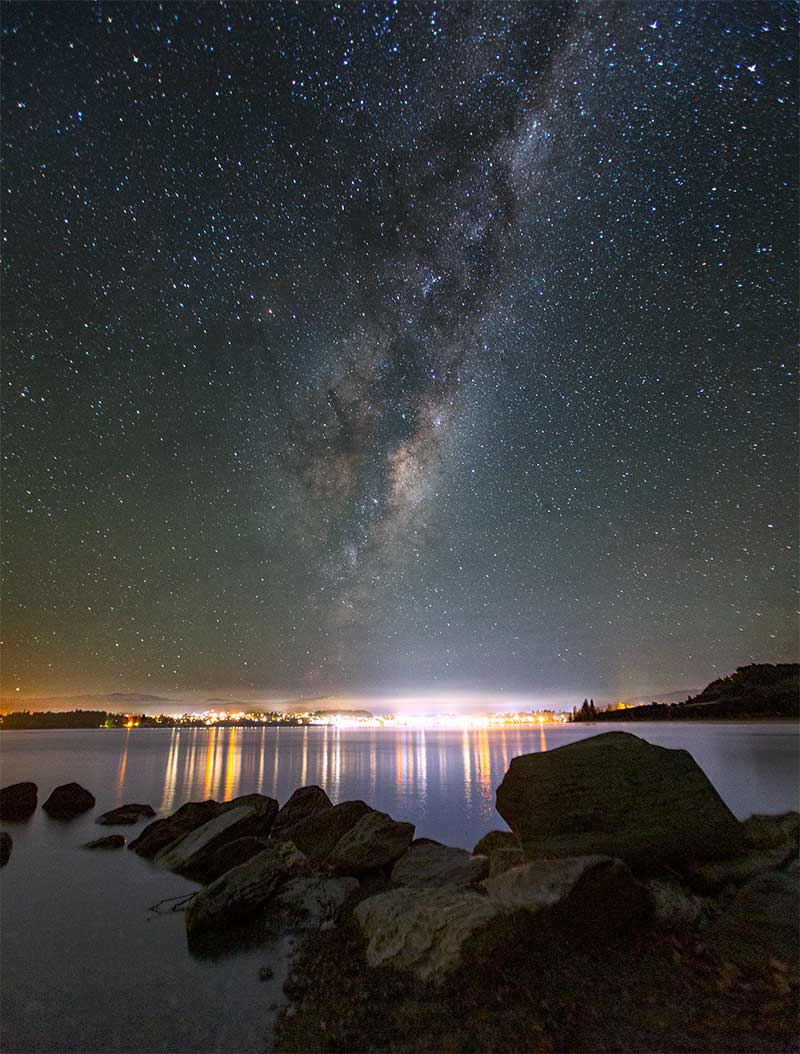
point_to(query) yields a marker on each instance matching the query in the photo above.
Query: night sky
(395, 347)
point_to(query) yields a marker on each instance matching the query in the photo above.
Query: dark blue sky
(398, 346)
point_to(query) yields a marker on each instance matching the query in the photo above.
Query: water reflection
(422, 774)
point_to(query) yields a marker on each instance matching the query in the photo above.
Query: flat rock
(192, 854)
(125, 814)
(317, 835)
(6, 844)
(374, 841)
(423, 931)
(245, 889)
(424, 864)
(18, 801)
(168, 829)
(761, 923)
(68, 800)
(304, 802)
(111, 841)
(309, 901)
(616, 795)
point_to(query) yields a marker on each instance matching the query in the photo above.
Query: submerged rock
(125, 814)
(68, 800)
(194, 853)
(429, 864)
(6, 844)
(375, 841)
(111, 841)
(318, 835)
(18, 801)
(244, 889)
(161, 833)
(616, 795)
(305, 802)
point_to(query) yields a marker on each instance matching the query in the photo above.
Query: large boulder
(6, 844)
(375, 841)
(194, 853)
(243, 890)
(427, 864)
(761, 923)
(18, 801)
(318, 834)
(616, 795)
(168, 829)
(125, 814)
(308, 901)
(304, 802)
(111, 841)
(67, 801)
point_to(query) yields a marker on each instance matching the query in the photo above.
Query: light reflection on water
(444, 780)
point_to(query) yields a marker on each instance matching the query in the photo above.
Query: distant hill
(761, 690)
(664, 697)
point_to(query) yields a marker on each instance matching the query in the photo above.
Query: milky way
(398, 346)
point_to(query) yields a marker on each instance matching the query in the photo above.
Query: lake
(86, 967)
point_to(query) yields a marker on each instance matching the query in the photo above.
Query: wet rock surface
(68, 801)
(18, 801)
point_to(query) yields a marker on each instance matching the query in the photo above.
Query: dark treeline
(26, 719)
(758, 691)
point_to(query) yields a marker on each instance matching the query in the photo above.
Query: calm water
(86, 968)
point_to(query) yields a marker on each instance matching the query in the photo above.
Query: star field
(365, 346)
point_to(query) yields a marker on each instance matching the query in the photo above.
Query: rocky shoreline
(626, 909)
